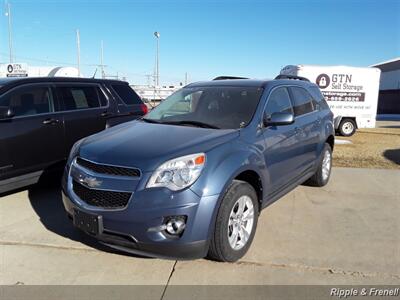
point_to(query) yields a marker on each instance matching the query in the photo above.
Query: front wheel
(235, 224)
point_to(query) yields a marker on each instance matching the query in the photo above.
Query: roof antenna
(94, 73)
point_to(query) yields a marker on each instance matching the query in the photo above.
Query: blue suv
(190, 178)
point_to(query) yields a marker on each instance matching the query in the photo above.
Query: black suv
(41, 118)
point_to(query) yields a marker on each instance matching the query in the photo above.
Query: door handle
(297, 130)
(50, 121)
(105, 114)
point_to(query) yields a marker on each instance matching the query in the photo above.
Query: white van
(352, 93)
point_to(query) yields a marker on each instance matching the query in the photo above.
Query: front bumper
(128, 229)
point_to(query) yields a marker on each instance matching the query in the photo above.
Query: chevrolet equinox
(190, 178)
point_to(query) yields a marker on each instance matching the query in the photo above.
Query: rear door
(307, 128)
(33, 139)
(85, 110)
(130, 106)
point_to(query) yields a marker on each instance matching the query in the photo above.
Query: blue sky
(203, 38)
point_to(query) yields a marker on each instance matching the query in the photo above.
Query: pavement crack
(169, 278)
(14, 243)
(321, 269)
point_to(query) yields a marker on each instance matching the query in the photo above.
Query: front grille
(107, 169)
(104, 199)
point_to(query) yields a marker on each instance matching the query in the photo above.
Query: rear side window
(127, 94)
(302, 101)
(29, 100)
(279, 101)
(80, 97)
(318, 97)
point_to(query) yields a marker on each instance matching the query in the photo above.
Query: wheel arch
(254, 179)
(331, 141)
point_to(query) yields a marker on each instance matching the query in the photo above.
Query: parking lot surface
(344, 233)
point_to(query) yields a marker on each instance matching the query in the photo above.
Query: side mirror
(6, 112)
(278, 119)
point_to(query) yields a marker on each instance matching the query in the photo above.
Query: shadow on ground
(46, 200)
(390, 126)
(392, 155)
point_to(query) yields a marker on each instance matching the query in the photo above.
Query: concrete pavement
(344, 233)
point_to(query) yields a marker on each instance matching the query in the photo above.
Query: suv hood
(146, 146)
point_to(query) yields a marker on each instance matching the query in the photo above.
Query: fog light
(175, 225)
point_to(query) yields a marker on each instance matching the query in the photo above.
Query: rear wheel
(236, 223)
(347, 127)
(323, 173)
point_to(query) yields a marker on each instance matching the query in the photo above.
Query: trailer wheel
(347, 127)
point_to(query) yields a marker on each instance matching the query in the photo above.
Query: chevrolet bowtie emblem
(90, 181)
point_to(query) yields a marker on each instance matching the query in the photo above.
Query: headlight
(178, 173)
(74, 151)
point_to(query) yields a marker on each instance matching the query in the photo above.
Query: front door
(280, 143)
(33, 139)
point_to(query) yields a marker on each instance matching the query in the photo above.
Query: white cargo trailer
(352, 93)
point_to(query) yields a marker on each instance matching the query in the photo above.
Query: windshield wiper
(188, 122)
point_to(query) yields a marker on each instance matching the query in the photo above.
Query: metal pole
(8, 14)
(78, 47)
(154, 94)
(158, 62)
(103, 75)
(157, 69)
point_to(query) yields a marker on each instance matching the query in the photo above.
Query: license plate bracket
(87, 222)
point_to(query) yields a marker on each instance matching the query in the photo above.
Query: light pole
(157, 35)
(103, 75)
(8, 15)
(78, 49)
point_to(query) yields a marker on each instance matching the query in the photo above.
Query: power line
(48, 61)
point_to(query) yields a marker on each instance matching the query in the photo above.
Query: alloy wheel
(240, 223)
(326, 165)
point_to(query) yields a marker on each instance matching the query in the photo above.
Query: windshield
(222, 107)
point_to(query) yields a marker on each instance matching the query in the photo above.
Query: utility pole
(8, 15)
(186, 78)
(157, 81)
(103, 75)
(148, 76)
(78, 48)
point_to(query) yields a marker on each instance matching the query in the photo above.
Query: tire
(347, 127)
(221, 248)
(321, 176)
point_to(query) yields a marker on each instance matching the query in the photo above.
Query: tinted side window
(319, 98)
(79, 97)
(302, 101)
(279, 101)
(29, 100)
(126, 93)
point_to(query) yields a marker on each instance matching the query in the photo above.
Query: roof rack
(228, 77)
(281, 76)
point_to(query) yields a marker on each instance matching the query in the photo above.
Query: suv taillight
(144, 108)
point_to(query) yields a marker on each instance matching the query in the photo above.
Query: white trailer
(352, 93)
